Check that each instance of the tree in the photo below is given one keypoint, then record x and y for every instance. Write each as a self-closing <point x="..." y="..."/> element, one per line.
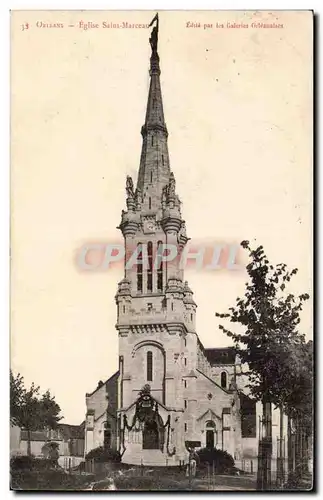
<point x="16" y="396"/>
<point x="30" y="410"/>
<point x="268" y="340"/>
<point x="270" y="319"/>
<point x="299" y="405"/>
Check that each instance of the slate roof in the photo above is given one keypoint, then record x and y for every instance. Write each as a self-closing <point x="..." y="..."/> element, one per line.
<point x="220" y="355"/>
<point x="66" y="432"/>
<point x="35" y="435"/>
<point x="71" y="431"/>
<point x="101" y="384"/>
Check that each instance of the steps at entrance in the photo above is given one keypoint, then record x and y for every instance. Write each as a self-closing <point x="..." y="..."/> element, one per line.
<point x="151" y="458"/>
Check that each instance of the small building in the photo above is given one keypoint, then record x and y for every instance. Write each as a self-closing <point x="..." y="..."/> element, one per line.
<point x="70" y="440"/>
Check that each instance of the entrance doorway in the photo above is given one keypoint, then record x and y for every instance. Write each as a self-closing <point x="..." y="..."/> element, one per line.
<point x="150" y="436"/>
<point x="210" y="438"/>
<point x="210" y="434"/>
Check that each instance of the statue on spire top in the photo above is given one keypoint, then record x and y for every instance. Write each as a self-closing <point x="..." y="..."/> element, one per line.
<point x="153" y="40"/>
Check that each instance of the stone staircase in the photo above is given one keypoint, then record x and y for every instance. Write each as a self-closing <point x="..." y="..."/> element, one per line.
<point x="151" y="458"/>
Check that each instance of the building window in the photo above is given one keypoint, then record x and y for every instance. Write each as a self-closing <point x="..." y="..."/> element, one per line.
<point x="152" y="140"/>
<point x="151" y="177"/>
<point x="224" y="380"/>
<point x="163" y="159"/>
<point x="185" y="342"/>
<point x="185" y="361"/>
<point x="160" y="266"/>
<point x="123" y="309"/>
<point x="139" y="267"/>
<point x="107" y="436"/>
<point x="172" y="306"/>
<point x="149" y="203"/>
<point x="185" y="427"/>
<point x="150" y="267"/>
<point x="149" y="366"/>
<point x="191" y="317"/>
<point x="121" y="382"/>
<point x="185" y="383"/>
<point x="149" y="306"/>
<point x="185" y="403"/>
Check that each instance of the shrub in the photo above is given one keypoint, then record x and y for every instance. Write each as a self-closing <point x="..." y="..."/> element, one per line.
<point x="29" y="463"/>
<point x="22" y="462"/>
<point x="101" y="454"/>
<point x="223" y="461"/>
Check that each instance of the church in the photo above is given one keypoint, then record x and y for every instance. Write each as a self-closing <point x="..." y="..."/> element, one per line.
<point x="170" y="392"/>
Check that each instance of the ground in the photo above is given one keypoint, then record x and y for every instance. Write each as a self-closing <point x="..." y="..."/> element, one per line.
<point x="135" y="478"/>
<point x="132" y="478"/>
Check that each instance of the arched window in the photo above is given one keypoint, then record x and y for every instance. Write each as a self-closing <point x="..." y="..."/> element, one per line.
<point x="149" y="203"/>
<point x="139" y="267"/>
<point x="149" y="366"/>
<point x="150" y="267"/>
<point x="224" y="380"/>
<point x="160" y="266"/>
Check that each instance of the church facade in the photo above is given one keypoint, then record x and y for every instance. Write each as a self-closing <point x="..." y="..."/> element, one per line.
<point x="170" y="392"/>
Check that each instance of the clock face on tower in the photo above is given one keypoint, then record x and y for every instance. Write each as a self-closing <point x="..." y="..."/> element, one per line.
<point x="149" y="226"/>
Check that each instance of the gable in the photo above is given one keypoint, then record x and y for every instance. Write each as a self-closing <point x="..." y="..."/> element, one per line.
<point x="209" y="415"/>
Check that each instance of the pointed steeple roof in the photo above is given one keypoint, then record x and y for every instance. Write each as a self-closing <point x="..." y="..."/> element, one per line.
<point x="154" y="167"/>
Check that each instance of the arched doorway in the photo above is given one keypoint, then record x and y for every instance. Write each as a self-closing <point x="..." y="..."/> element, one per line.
<point x="209" y="438"/>
<point x="210" y="434"/>
<point x="150" y="436"/>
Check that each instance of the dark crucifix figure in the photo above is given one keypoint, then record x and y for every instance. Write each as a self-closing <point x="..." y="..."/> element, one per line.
<point x="153" y="40"/>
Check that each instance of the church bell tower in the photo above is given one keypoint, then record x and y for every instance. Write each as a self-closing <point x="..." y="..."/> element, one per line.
<point x="155" y="308"/>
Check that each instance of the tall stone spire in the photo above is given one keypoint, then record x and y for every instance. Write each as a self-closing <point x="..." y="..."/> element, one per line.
<point x="154" y="198"/>
<point x="154" y="171"/>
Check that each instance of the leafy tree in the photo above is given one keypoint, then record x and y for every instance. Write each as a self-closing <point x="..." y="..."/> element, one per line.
<point x="16" y="396"/>
<point x="269" y="340"/>
<point x="270" y="318"/>
<point x="299" y="404"/>
<point x="30" y="410"/>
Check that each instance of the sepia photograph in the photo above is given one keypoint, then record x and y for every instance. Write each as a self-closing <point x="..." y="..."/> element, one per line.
<point x="161" y="323"/>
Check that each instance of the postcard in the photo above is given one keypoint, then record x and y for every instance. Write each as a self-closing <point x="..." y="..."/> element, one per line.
<point x="161" y="250"/>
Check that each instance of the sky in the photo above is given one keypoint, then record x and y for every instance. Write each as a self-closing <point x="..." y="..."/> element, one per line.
<point x="238" y="107"/>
